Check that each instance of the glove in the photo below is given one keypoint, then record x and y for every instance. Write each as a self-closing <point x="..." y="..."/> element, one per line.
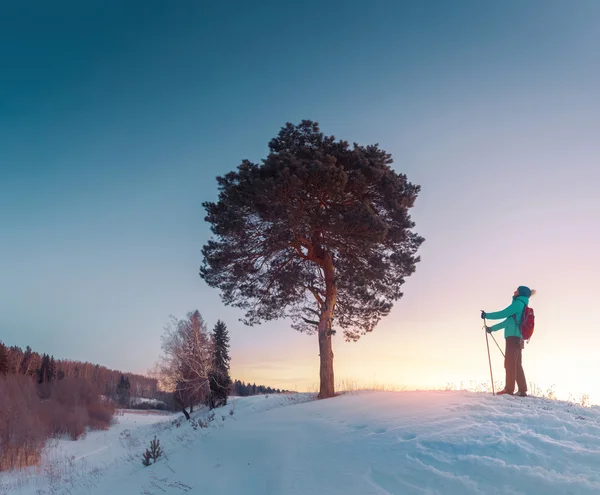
<point x="483" y="315"/>
<point x="488" y="329"/>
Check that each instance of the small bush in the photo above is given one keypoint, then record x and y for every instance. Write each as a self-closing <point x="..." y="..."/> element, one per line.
<point x="76" y="420"/>
<point x="153" y="453"/>
<point x="101" y="416"/>
<point x="74" y="405"/>
<point x="30" y="414"/>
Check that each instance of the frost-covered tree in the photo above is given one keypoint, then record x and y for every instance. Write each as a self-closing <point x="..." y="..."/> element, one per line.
<point x="187" y="360"/>
<point x="319" y="232"/>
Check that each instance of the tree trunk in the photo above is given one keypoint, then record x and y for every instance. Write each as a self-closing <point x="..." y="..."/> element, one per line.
<point x="327" y="387"/>
<point x="187" y="415"/>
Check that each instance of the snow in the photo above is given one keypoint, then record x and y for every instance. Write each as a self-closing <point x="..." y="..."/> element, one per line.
<point x="361" y="443"/>
<point x="143" y="400"/>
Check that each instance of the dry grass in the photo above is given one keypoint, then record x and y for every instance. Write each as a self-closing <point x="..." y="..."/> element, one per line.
<point x="22" y="432"/>
<point x="352" y="386"/>
<point x="30" y="415"/>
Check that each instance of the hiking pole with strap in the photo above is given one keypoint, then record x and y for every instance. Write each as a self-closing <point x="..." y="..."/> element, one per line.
<point x="487" y="343"/>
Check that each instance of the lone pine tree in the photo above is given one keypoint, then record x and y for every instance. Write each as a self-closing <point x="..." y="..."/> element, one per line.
<point x="220" y="380"/>
<point x="319" y="232"/>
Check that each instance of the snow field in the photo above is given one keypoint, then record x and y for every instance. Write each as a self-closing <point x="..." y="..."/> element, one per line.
<point x="364" y="443"/>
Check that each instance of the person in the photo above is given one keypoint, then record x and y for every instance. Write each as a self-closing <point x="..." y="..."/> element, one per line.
<point x="512" y="316"/>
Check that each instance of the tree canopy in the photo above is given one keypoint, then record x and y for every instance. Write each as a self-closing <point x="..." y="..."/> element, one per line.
<point x="319" y="232"/>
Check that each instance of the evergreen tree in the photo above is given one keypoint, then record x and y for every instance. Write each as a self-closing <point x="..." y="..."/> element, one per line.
<point x="51" y="370"/>
<point x="43" y="371"/>
<point x="219" y="377"/>
<point x="3" y="359"/>
<point x="318" y="231"/>
<point x="124" y="391"/>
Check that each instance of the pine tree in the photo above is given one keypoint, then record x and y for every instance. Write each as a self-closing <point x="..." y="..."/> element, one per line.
<point x="319" y="231"/>
<point x="51" y="370"/>
<point x="3" y="359"/>
<point x="124" y="391"/>
<point x="220" y="379"/>
<point x="43" y="371"/>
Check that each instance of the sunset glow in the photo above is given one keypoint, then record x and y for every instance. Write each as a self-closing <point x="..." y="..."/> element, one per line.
<point x="116" y="127"/>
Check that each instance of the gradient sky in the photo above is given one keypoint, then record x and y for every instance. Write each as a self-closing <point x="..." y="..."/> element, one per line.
<point x="116" y="117"/>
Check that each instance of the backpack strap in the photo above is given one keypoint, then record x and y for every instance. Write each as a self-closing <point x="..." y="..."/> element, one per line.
<point x="522" y="314"/>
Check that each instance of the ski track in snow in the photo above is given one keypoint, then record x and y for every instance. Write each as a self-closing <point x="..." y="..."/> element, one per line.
<point x="364" y="443"/>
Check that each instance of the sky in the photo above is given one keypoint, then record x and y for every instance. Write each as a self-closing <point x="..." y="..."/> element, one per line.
<point x="116" y="119"/>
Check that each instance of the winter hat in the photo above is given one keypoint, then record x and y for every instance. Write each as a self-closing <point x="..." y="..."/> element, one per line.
<point x="525" y="291"/>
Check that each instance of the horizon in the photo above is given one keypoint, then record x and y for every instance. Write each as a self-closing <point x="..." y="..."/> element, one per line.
<point x="116" y="122"/>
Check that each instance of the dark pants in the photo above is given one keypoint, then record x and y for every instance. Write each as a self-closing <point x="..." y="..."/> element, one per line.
<point x="513" y="366"/>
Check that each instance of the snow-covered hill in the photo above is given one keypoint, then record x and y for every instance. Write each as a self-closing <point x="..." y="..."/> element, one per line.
<point x="364" y="443"/>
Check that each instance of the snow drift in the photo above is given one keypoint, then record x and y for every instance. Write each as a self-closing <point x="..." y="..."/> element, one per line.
<point x="364" y="443"/>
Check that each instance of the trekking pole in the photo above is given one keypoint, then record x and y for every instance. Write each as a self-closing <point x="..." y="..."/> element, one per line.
<point x="499" y="348"/>
<point x="487" y="343"/>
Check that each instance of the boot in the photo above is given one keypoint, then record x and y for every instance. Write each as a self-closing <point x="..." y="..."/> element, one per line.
<point x="504" y="392"/>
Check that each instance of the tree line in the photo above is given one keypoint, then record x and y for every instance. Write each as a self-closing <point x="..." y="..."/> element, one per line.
<point x="43" y="368"/>
<point x="242" y="389"/>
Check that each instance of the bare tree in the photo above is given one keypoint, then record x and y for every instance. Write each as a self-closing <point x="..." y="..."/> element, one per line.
<point x="187" y="360"/>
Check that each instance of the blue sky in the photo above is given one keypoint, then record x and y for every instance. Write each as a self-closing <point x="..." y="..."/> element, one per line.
<point x="115" y="119"/>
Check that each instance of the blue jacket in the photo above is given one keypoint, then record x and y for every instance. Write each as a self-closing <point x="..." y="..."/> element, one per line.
<point x="511" y="329"/>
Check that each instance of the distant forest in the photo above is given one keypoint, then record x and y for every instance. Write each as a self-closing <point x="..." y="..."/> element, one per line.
<point x="243" y="390"/>
<point x="43" y="368"/>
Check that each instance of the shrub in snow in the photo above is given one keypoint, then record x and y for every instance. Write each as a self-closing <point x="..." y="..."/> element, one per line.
<point x="74" y="405"/>
<point x="153" y="453"/>
<point x="30" y="414"/>
<point x="22" y="432"/>
<point x="101" y="416"/>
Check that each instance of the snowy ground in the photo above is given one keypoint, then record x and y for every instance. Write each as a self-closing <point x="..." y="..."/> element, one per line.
<point x="365" y="443"/>
<point x="142" y="400"/>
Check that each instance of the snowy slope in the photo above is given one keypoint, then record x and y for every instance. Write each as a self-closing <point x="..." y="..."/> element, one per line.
<point x="366" y="443"/>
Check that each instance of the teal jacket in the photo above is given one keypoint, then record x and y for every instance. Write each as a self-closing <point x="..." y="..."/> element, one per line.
<point x="511" y="329"/>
